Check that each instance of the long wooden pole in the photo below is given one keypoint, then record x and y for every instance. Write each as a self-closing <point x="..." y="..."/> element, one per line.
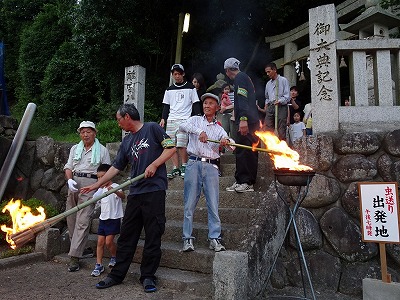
<point x="24" y="236"/>
<point x="250" y="147"/>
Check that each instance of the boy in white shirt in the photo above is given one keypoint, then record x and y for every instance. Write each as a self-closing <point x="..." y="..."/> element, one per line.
<point x="110" y="220"/>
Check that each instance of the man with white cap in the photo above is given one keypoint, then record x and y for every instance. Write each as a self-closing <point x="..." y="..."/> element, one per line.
<point x="80" y="171"/>
<point x="180" y="102"/>
<point x="202" y="171"/>
<point x="246" y="117"/>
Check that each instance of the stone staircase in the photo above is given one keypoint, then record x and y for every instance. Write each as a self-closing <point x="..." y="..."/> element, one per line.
<point x="236" y="212"/>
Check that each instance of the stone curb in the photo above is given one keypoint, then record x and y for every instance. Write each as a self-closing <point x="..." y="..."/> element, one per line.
<point x="19" y="260"/>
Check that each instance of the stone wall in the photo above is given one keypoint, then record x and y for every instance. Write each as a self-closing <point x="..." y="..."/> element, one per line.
<point x="329" y="217"/>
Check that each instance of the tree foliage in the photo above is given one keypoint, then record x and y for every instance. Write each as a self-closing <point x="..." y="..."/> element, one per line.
<point x="69" y="56"/>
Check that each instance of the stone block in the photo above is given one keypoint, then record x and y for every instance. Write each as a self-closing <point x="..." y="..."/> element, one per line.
<point x="48" y="242"/>
<point x="230" y="273"/>
<point x="374" y="289"/>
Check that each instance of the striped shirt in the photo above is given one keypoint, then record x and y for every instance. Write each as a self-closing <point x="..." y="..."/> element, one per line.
<point x="194" y="126"/>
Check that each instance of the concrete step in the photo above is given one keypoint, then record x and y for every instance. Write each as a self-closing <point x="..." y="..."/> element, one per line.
<point x="199" y="284"/>
<point x="200" y="260"/>
<point x="232" y="234"/>
<point x="227" y="215"/>
<point x="226" y="199"/>
<point x="177" y="182"/>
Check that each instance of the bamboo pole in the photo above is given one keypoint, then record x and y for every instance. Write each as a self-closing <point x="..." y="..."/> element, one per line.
<point x="276" y="120"/>
<point x="24" y="236"/>
<point x="250" y="147"/>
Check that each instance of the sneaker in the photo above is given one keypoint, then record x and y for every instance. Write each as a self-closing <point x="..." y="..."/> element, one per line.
<point x="188" y="245"/>
<point x="98" y="269"/>
<point x="232" y="187"/>
<point x="87" y="253"/>
<point x="216" y="245"/>
<point x="182" y="169"/>
<point x="244" y="187"/>
<point x="73" y="264"/>
<point x="175" y="172"/>
<point x="112" y="262"/>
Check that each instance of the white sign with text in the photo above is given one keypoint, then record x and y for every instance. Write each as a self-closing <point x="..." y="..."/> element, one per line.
<point x="379" y="211"/>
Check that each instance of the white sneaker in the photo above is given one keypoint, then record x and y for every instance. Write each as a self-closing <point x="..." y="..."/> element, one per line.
<point x="216" y="245"/>
<point x="188" y="245"/>
<point x="244" y="187"/>
<point x="232" y="187"/>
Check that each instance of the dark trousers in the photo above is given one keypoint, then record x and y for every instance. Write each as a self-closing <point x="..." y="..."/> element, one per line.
<point x="282" y="120"/>
<point x="247" y="160"/>
<point x="142" y="211"/>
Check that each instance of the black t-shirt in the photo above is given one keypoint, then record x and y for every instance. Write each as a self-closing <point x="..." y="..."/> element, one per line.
<point x="245" y="99"/>
<point x="140" y="149"/>
<point x="293" y="111"/>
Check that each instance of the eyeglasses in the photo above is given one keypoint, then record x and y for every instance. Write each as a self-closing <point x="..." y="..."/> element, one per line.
<point x="119" y="119"/>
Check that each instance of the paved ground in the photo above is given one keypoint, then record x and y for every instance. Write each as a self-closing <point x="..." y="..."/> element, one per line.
<point x="51" y="280"/>
<point x="29" y="277"/>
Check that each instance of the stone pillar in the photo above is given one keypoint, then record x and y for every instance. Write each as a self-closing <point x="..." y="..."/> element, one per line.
<point x="48" y="242"/>
<point x="324" y="68"/>
<point x="288" y="70"/>
<point x="230" y="276"/>
<point x="358" y="78"/>
<point x="383" y="78"/>
<point x="134" y="88"/>
<point x="397" y="77"/>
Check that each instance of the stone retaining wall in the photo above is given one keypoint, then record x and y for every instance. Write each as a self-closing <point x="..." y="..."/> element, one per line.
<point x="329" y="217"/>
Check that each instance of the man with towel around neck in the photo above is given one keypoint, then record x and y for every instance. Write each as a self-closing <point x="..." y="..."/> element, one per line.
<point x="80" y="171"/>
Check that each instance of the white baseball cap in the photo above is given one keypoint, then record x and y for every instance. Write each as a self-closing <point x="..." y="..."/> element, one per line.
<point x="86" y="124"/>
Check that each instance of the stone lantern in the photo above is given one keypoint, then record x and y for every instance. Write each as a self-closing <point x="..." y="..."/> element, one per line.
<point x="374" y="24"/>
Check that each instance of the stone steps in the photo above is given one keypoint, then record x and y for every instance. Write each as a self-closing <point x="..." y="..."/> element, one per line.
<point x="200" y="260"/>
<point x="226" y="199"/>
<point x="193" y="270"/>
<point x="229" y="215"/>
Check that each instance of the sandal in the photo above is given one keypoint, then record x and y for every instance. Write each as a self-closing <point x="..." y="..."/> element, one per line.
<point x="106" y="283"/>
<point x="149" y="285"/>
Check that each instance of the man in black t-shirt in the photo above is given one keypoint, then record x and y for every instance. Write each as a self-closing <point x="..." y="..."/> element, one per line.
<point x="146" y="149"/>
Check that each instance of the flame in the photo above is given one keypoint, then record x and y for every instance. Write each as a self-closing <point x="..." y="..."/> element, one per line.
<point x="22" y="219"/>
<point x="283" y="156"/>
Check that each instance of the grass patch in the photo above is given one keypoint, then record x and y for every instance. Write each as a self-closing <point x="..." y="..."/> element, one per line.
<point x="108" y="131"/>
<point x="10" y="252"/>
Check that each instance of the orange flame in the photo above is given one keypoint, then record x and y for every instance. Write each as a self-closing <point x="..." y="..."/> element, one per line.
<point x="287" y="159"/>
<point x="22" y="219"/>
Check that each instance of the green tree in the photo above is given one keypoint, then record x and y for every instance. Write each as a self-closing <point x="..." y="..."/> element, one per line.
<point x="15" y="15"/>
<point x="67" y="93"/>
<point x="39" y="42"/>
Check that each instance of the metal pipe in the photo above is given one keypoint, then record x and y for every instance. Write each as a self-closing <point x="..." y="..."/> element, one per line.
<point x="16" y="146"/>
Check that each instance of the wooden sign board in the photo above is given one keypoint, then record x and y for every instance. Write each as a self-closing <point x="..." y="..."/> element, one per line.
<point x="379" y="212"/>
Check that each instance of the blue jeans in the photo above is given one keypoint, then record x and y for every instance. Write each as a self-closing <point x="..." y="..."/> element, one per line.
<point x="201" y="175"/>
